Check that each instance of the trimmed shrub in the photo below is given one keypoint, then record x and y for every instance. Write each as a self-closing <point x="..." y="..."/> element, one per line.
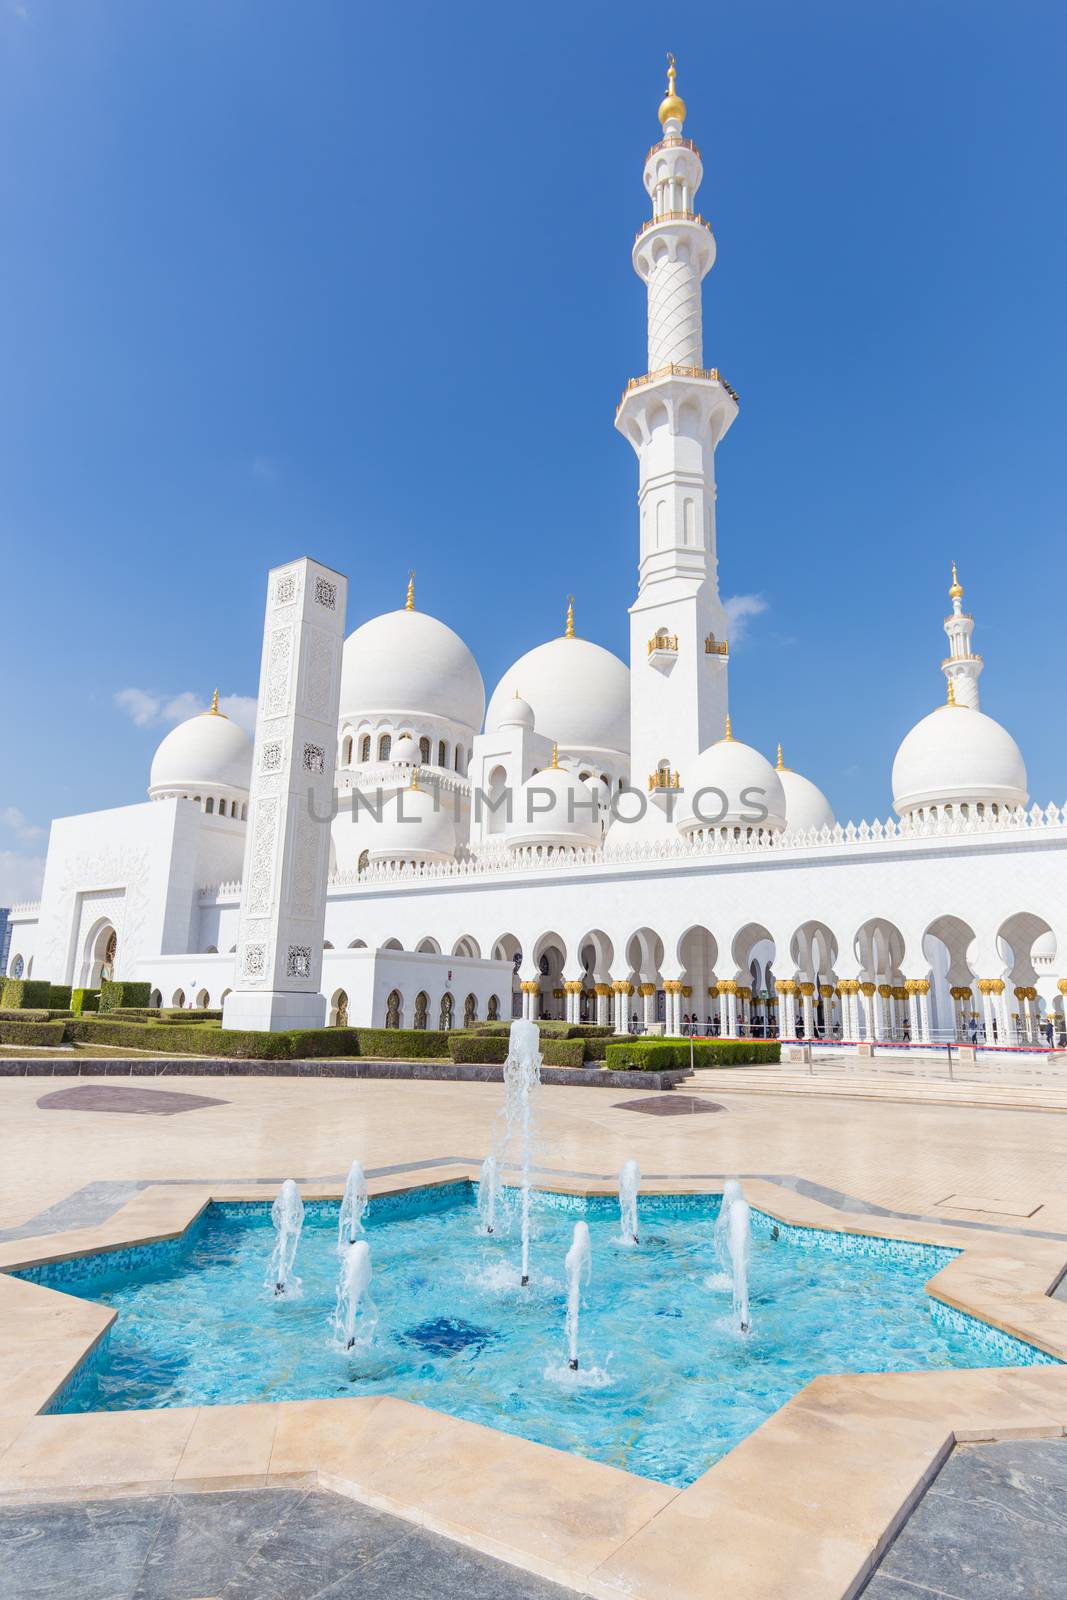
<point x="25" y="994"/>
<point x="551" y="1030"/>
<point x="25" y="1016"/>
<point x="474" y="1047"/>
<point x="665" y="1055"/>
<point x="400" y="1043"/>
<point x="32" y="1032"/>
<point x="82" y="1000"/>
<point x="563" y="1052"/>
<point x="173" y="1014"/>
<point x="597" y="1049"/>
<point x="115" y="996"/>
<point x="59" y="996"/>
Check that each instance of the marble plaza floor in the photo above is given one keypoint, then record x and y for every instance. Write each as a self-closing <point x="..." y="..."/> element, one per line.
<point x="806" y="1506"/>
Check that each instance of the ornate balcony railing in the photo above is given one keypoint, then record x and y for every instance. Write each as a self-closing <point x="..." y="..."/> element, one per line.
<point x="716" y="647"/>
<point x="663" y="641"/>
<point x="672" y="216"/>
<point x="673" y="370"/>
<point x="672" y="142"/>
<point x="663" y="779"/>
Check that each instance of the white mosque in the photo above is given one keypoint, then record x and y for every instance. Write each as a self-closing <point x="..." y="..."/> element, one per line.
<point x="611" y="854"/>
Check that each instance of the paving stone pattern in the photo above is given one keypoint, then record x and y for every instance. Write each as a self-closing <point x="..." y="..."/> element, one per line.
<point x="261" y="1544"/>
<point x="992" y="1526"/>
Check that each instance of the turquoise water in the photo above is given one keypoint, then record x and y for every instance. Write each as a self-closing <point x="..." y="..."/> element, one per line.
<point x="666" y="1385"/>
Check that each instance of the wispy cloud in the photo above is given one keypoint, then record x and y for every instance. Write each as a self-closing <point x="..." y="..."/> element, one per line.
<point x="740" y="610"/>
<point x="16" y="822"/>
<point x="148" y="709"/>
<point x="19" y="10"/>
<point x="20" y="877"/>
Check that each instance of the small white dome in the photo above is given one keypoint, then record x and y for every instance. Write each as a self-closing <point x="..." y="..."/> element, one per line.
<point x="406" y="661"/>
<point x="515" y="713"/>
<point x="554" y="807"/>
<point x="747" y="780"/>
<point x="405" y="749"/>
<point x="413" y="828"/>
<point x="579" y="693"/>
<point x="957" y="756"/>
<point x="207" y="753"/>
<point x="631" y="825"/>
<point x="806" y="806"/>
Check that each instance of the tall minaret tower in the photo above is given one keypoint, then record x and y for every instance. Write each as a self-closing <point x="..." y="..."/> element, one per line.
<point x="674" y="416"/>
<point x="961" y="666"/>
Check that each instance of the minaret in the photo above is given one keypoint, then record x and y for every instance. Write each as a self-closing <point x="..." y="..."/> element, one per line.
<point x="674" y="416"/>
<point x="961" y="666"/>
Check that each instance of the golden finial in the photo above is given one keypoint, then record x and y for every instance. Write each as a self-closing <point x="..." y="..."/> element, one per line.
<point x="672" y="105"/>
<point x="215" y="704"/>
<point x="568" y="632"/>
<point x="950" y="697"/>
<point x="729" y="734"/>
<point x="415" y="778"/>
<point x="555" y="758"/>
<point x="956" y="592"/>
<point x="409" y="603"/>
<point x="779" y="764"/>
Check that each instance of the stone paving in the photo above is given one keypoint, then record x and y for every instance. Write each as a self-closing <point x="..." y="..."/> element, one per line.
<point x="991" y="1526"/>
<point x="263" y="1544"/>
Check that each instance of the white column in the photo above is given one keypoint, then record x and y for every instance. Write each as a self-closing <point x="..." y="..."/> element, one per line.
<point x="278" y="966"/>
<point x="730" y="1019"/>
<point x="987" y="1009"/>
<point x="647" y="992"/>
<point x="924" y="1013"/>
<point x="603" y="1004"/>
<point x="787" y="1012"/>
<point x="1003" y="1014"/>
<point x="807" y="997"/>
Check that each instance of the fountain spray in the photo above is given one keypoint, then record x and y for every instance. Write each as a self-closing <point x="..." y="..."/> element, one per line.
<point x="489" y="1193"/>
<point x="353" y="1292"/>
<point x="579" y="1267"/>
<point x="287" y="1215"/>
<point x="629" y="1184"/>
<point x="522" y="1078"/>
<point x="731" y="1191"/>
<point x="353" y="1205"/>
<point x="740" y="1237"/>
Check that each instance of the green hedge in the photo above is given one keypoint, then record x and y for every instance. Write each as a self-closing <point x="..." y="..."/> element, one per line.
<point x="551" y="1030"/>
<point x="665" y="1055"/>
<point x="25" y="994"/>
<point x="402" y="1043"/>
<point x="32" y="1032"/>
<point x="200" y="1041"/>
<point x="82" y="1000"/>
<point x="477" y="1047"/>
<point x="597" y="1049"/>
<point x="59" y="996"/>
<point x="563" y="1052"/>
<point x="25" y="1016"/>
<point x="115" y="996"/>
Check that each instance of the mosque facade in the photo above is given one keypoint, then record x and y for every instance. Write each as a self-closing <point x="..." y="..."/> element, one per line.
<point x="614" y="855"/>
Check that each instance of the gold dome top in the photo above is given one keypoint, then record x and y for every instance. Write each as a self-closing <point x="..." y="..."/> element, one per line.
<point x="672" y="104"/>
<point x="956" y="592"/>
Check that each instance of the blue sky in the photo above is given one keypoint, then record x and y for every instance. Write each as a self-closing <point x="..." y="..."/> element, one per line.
<point x="354" y="281"/>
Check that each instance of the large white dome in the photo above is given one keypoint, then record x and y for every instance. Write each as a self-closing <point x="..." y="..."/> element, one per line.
<point x="957" y="756"/>
<point x="209" y="752"/>
<point x="554" y="807"/>
<point x="414" y="827"/>
<point x="580" y="694"/>
<point x="806" y="806"/>
<point x="747" y="780"/>
<point x="408" y="662"/>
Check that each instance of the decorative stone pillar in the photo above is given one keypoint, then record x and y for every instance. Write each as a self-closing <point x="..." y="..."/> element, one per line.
<point x="603" y="1004"/>
<point x="807" y="1004"/>
<point x="985" y="989"/>
<point x="728" y="990"/>
<point x="786" y="990"/>
<point x="828" y="993"/>
<point x="278" y="965"/>
<point x="961" y="994"/>
<point x="1000" y="1004"/>
<point x="919" y="990"/>
<point x="884" y="1013"/>
<point x="647" y="991"/>
<point x="621" y="989"/>
<point x="869" y="992"/>
<point x="572" y="989"/>
<point x="713" y="995"/>
<point x="531" y="998"/>
<point x="672" y="989"/>
<point x="1027" y="998"/>
<point x="848" y="989"/>
<point x="900" y="995"/>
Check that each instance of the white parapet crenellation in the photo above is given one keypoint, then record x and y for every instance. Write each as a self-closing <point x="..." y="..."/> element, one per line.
<point x="287" y="851"/>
